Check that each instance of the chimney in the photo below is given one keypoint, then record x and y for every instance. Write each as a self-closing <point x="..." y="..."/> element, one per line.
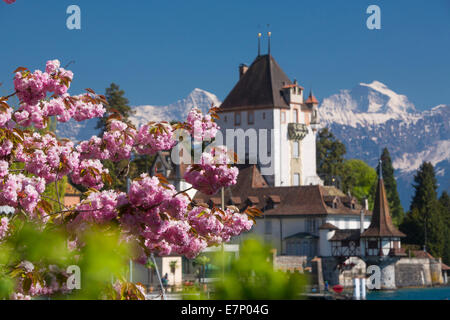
<point x="242" y="70"/>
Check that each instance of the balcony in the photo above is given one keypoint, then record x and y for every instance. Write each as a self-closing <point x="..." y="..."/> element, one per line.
<point x="297" y="131"/>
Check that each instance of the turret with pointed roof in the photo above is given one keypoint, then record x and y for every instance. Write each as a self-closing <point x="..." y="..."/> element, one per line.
<point x="311" y="99"/>
<point x="381" y="224"/>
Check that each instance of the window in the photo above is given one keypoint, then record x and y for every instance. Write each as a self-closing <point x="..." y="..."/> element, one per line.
<point x="251" y="117"/>
<point x="268" y="227"/>
<point x="237" y="118"/>
<point x="295" y="151"/>
<point x="295" y="116"/>
<point x="311" y="225"/>
<point x="296" y="179"/>
<point x="373" y="244"/>
<point x="283" y="117"/>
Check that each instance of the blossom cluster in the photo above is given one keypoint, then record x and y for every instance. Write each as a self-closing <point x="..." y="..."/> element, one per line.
<point x="153" y="213"/>
<point x="33" y="88"/>
<point x="99" y="207"/>
<point x="202" y="127"/>
<point x="154" y="138"/>
<point x="53" y="281"/>
<point x="19" y="190"/>
<point x="212" y="173"/>
<point x="46" y="157"/>
<point x="89" y="174"/>
<point x="116" y="144"/>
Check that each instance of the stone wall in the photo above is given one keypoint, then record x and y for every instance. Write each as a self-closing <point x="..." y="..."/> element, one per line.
<point x="415" y="272"/>
<point x="395" y="272"/>
<point x="290" y="263"/>
<point x="412" y="272"/>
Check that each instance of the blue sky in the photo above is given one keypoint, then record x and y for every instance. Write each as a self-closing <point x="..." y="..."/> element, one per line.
<point x="158" y="51"/>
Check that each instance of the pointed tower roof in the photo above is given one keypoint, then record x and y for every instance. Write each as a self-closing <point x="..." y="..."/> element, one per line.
<point x="311" y="99"/>
<point x="260" y="87"/>
<point x="381" y="224"/>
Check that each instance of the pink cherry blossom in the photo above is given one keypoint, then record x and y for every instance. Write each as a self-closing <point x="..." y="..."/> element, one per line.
<point x="153" y="213"/>
<point x="212" y="173"/>
<point x="151" y="139"/>
<point x="89" y="174"/>
<point x="100" y="207"/>
<point x="202" y="127"/>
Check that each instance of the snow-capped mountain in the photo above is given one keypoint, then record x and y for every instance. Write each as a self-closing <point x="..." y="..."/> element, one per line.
<point x="366" y="104"/>
<point x="178" y="111"/>
<point x="371" y="116"/>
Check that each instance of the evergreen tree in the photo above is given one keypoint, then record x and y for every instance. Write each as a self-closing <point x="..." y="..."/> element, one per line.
<point x="117" y="104"/>
<point x="330" y="157"/>
<point x="444" y="201"/>
<point x="390" y="184"/>
<point x="424" y="223"/>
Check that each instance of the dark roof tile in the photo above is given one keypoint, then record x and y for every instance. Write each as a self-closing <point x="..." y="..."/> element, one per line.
<point x="260" y="87"/>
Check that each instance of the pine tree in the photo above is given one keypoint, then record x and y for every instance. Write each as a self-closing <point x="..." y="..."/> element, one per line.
<point x="444" y="201"/>
<point x="330" y="157"/>
<point x="390" y="184"/>
<point x="117" y="104"/>
<point x="424" y="223"/>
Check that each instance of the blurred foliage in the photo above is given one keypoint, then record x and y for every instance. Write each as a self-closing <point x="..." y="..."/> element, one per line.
<point x="102" y="259"/>
<point x="251" y="276"/>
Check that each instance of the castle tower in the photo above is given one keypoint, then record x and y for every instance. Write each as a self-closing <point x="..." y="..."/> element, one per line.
<point x="265" y="98"/>
<point x="382" y="239"/>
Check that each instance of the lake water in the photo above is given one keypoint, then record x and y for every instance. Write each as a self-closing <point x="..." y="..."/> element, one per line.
<point x="442" y="293"/>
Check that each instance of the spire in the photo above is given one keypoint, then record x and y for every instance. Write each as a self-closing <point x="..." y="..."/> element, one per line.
<point x="311" y="99"/>
<point x="381" y="224"/>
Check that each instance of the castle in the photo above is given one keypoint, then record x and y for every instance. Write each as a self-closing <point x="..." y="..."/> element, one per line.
<point x="304" y="220"/>
<point x="308" y="224"/>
